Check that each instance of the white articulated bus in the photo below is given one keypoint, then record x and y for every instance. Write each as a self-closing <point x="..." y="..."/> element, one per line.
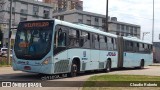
<point x="55" y="47"/>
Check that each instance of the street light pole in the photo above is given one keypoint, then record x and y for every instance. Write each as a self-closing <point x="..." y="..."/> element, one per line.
<point x="144" y="33"/>
<point x="9" y="33"/>
<point x="107" y="16"/>
<point x="153" y="24"/>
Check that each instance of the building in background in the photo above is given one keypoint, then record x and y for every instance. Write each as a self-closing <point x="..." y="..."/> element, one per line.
<point x="54" y="4"/>
<point x="65" y="5"/>
<point x="156" y="52"/>
<point x="22" y="10"/>
<point x="98" y="21"/>
<point x="123" y="29"/>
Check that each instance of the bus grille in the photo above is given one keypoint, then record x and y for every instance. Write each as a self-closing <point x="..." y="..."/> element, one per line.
<point x="83" y="66"/>
<point x="62" y="66"/>
<point x="101" y="65"/>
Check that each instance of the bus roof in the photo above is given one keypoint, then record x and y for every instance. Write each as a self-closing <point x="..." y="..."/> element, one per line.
<point x="135" y="39"/>
<point x="78" y="26"/>
<point x="91" y="29"/>
<point x="85" y="28"/>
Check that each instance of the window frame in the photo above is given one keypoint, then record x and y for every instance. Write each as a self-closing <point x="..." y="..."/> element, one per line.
<point x="93" y="41"/>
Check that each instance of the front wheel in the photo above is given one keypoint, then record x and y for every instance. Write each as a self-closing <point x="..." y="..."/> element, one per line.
<point x="73" y="72"/>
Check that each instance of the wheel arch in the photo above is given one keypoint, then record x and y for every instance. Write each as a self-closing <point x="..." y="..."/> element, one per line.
<point x="76" y="60"/>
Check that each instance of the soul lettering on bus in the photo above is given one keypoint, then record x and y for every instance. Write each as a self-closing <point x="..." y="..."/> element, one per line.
<point x="111" y="54"/>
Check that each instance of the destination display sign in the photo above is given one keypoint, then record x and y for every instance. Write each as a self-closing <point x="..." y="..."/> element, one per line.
<point x="36" y="24"/>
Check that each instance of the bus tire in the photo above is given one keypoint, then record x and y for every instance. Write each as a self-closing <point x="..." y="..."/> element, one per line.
<point x="108" y="66"/>
<point x="74" y="70"/>
<point x="142" y="64"/>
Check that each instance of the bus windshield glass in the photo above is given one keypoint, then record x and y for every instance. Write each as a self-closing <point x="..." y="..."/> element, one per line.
<point x="33" y="39"/>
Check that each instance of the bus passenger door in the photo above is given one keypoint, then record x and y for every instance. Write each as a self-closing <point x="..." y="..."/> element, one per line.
<point x="94" y="61"/>
<point x="60" y="50"/>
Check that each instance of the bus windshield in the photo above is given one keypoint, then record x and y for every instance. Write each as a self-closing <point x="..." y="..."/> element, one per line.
<point x="33" y="40"/>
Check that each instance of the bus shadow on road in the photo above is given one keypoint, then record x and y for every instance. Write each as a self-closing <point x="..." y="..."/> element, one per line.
<point x="45" y="77"/>
<point x="112" y="70"/>
<point x="19" y="77"/>
<point x="129" y="68"/>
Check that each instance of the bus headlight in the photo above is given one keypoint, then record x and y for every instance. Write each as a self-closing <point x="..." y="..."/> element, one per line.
<point x="46" y="61"/>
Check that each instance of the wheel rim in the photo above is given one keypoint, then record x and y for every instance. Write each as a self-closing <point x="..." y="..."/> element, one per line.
<point x="74" y="69"/>
<point x="108" y="66"/>
<point x="142" y="64"/>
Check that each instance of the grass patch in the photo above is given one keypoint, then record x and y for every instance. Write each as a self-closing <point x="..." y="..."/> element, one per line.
<point x="124" y="78"/>
<point x="3" y="62"/>
<point x="120" y="88"/>
<point x="120" y="82"/>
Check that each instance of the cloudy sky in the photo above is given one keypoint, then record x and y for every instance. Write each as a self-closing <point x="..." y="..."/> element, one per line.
<point x="138" y="12"/>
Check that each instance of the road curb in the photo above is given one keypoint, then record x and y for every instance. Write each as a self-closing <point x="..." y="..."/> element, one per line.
<point x="6" y="66"/>
<point x="155" y="64"/>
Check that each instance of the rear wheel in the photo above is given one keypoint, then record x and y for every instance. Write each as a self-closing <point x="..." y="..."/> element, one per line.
<point x="74" y="70"/>
<point x="108" y="66"/>
<point x="142" y="64"/>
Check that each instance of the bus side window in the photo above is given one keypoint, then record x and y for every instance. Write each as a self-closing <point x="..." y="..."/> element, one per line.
<point x="96" y="41"/>
<point x="74" y="38"/>
<point x="105" y="39"/>
<point x="115" y="44"/>
<point x="137" y="48"/>
<point x="141" y="47"/>
<point x="148" y="48"/>
<point x="112" y="40"/>
<point x="103" y="42"/>
<point x="129" y="46"/>
<point x="126" y="45"/>
<point x="60" y="37"/>
<point x="109" y="43"/>
<point x="84" y="39"/>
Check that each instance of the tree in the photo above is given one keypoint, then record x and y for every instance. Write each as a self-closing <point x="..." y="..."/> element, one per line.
<point x="1" y="37"/>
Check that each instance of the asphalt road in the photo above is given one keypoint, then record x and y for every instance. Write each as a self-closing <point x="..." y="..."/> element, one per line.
<point x="7" y="74"/>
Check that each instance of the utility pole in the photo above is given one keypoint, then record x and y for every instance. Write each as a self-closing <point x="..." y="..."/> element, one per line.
<point x="153" y="24"/>
<point x="107" y="16"/>
<point x="9" y="33"/>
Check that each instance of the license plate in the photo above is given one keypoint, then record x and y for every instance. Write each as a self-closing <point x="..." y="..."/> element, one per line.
<point x="27" y="68"/>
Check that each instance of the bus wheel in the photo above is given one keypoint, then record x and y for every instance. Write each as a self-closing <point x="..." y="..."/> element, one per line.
<point x="142" y="64"/>
<point x="108" y="66"/>
<point x="73" y="72"/>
